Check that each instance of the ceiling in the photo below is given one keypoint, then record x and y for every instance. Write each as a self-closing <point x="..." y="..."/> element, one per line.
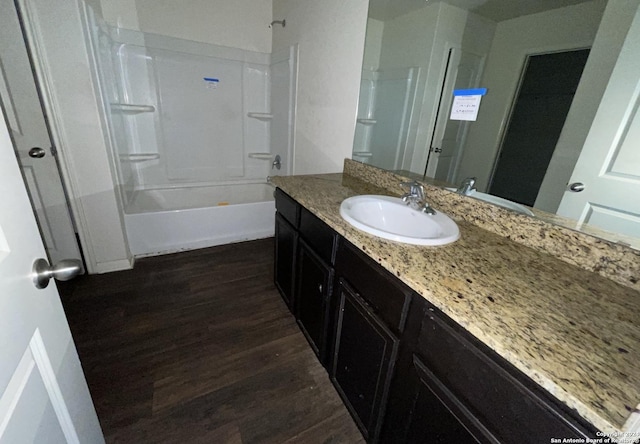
<point x="496" y="10"/>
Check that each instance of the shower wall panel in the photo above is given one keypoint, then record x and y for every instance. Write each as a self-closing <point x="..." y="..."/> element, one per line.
<point x="106" y="70"/>
<point x="201" y="114"/>
<point x="395" y="94"/>
<point x="366" y="116"/>
<point x="199" y="131"/>
<point x="284" y="70"/>
<point x="137" y="87"/>
<point x="256" y="80"/>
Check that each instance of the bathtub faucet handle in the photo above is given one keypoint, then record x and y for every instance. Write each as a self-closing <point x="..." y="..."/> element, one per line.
<point x="277" y="164"/>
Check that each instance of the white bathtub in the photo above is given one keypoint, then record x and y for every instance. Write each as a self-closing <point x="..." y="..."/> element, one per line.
<point x="174" y="219"/>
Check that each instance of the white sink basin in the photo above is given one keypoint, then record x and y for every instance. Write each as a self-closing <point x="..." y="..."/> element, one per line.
<point x="499" y="201"/>
<point x="391" y="218"/>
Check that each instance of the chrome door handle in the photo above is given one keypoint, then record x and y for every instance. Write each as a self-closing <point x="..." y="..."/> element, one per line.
<point x="63" y="271"/>
<point x="37" y="152"/>
<point x="576" y="187"/>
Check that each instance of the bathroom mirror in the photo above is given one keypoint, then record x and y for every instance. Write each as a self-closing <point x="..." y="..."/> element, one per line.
<point x="545" y="66"/>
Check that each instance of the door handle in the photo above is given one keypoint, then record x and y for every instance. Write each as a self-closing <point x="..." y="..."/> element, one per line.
<point x="576" y="187"/>
<point x="37" y="152"/>
<point x="63" y="271"/>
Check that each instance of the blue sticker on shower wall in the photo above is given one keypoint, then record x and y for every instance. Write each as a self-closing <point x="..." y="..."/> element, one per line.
<point x="470" y="92"/>
<point x="211" y="82"/>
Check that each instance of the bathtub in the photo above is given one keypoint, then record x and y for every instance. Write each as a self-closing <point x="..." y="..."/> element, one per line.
<point x="160" y="221"/>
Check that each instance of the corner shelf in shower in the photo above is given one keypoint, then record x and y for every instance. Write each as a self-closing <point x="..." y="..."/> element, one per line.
<point x="129" y="108"/>
<point x="367" y="121"/>
<point x="362" y="154"/>
<point x="261" y="116"/>
<point x="139" y="157"/>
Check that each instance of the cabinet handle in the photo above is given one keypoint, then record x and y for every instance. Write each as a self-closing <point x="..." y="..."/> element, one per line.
<point x="320" y="288"/>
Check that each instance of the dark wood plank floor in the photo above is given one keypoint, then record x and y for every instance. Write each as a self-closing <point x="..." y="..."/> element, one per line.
<point x="198" y="347"/>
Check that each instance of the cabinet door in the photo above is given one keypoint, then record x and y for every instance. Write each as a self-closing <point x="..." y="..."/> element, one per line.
<point x="437" y="416"/>
<point x="312" y="294"/>
<point x="285" y="244"/>
<point x="506" y="401"/>
<point x="364" y="356"/>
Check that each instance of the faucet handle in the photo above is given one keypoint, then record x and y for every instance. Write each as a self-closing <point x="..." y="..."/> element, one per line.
<point x="415" y="189"/>
<point x="467" y="186"/>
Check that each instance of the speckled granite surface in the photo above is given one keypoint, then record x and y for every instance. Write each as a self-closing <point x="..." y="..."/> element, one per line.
<point x="611" y="260"/>
<point x="572" y="331"/>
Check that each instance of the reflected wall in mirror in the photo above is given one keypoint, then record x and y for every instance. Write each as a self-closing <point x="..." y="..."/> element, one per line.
<point x="562" y="82"/>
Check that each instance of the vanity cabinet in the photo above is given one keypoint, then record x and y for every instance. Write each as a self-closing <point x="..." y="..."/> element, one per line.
<point x="364" y="354"/>
<point x="314" y="282"/>
<point x="371" y="309"/>
<point x="304" y="255"/>
<point x="452" y="388"/>
<point x="315" y="278"/>
<point x="406" y="372"/>
<point x="286" y="245"/>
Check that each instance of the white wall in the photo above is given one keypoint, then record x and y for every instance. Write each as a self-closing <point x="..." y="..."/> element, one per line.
<point x="567" y="28"/>
<point x="602" y="58"/>
<point x="331" y="38"/>
<point x="240" y="24"/>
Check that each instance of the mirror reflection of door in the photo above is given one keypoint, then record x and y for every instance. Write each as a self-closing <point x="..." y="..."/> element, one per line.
<point x="28" y="128"/>
<point x="608" y="168"/>
<point x="464" y="70"/>
<point x="548" y="84"/>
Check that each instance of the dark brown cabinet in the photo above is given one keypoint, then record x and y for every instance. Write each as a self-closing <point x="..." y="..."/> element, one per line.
<point x="451" y="388"/>
<point x="315" y="278"/>
<point x="285" y="252"/>
<point x="364" y="354"/>
<point x="437" y="416"/>
<point x="370" y="312"/>
<point x="406" y="372"/>
<point x="495" y="394"/>
<point x="286" y="245"/>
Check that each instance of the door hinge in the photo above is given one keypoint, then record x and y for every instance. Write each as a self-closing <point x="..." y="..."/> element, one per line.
<point x="54" y="151"/>
<point x="436" y="150"/>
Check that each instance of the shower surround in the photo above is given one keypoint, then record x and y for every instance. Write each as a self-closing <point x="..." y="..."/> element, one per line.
<point x="196" y="129"/>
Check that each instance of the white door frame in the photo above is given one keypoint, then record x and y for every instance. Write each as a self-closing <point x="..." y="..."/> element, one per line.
<point x="80" y="136"/>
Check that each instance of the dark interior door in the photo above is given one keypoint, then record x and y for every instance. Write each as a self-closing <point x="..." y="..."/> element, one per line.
<point x="546" y="92"/>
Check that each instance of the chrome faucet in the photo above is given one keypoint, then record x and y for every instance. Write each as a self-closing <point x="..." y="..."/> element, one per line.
<point x="415" y="198"/>
<point x="467" y="186"/>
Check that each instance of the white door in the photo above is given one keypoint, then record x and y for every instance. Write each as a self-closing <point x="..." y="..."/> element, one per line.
<point x="28" y="129"/>
<point x="463" y="72"/>
<point x="609" y="165"/>
<point x="43" y="394"/>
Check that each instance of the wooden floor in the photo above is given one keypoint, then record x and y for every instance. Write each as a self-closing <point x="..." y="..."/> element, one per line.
<point x="198" y="347"/>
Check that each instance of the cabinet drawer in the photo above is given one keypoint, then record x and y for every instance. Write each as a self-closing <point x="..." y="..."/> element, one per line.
<point x="288" y="208"/>
<point x="388" y="297"/>
<point x="318" y="235"/>
<point x="514" y="410"/>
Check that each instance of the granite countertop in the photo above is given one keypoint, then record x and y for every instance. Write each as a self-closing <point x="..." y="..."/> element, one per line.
<point x="574" y="332"/>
